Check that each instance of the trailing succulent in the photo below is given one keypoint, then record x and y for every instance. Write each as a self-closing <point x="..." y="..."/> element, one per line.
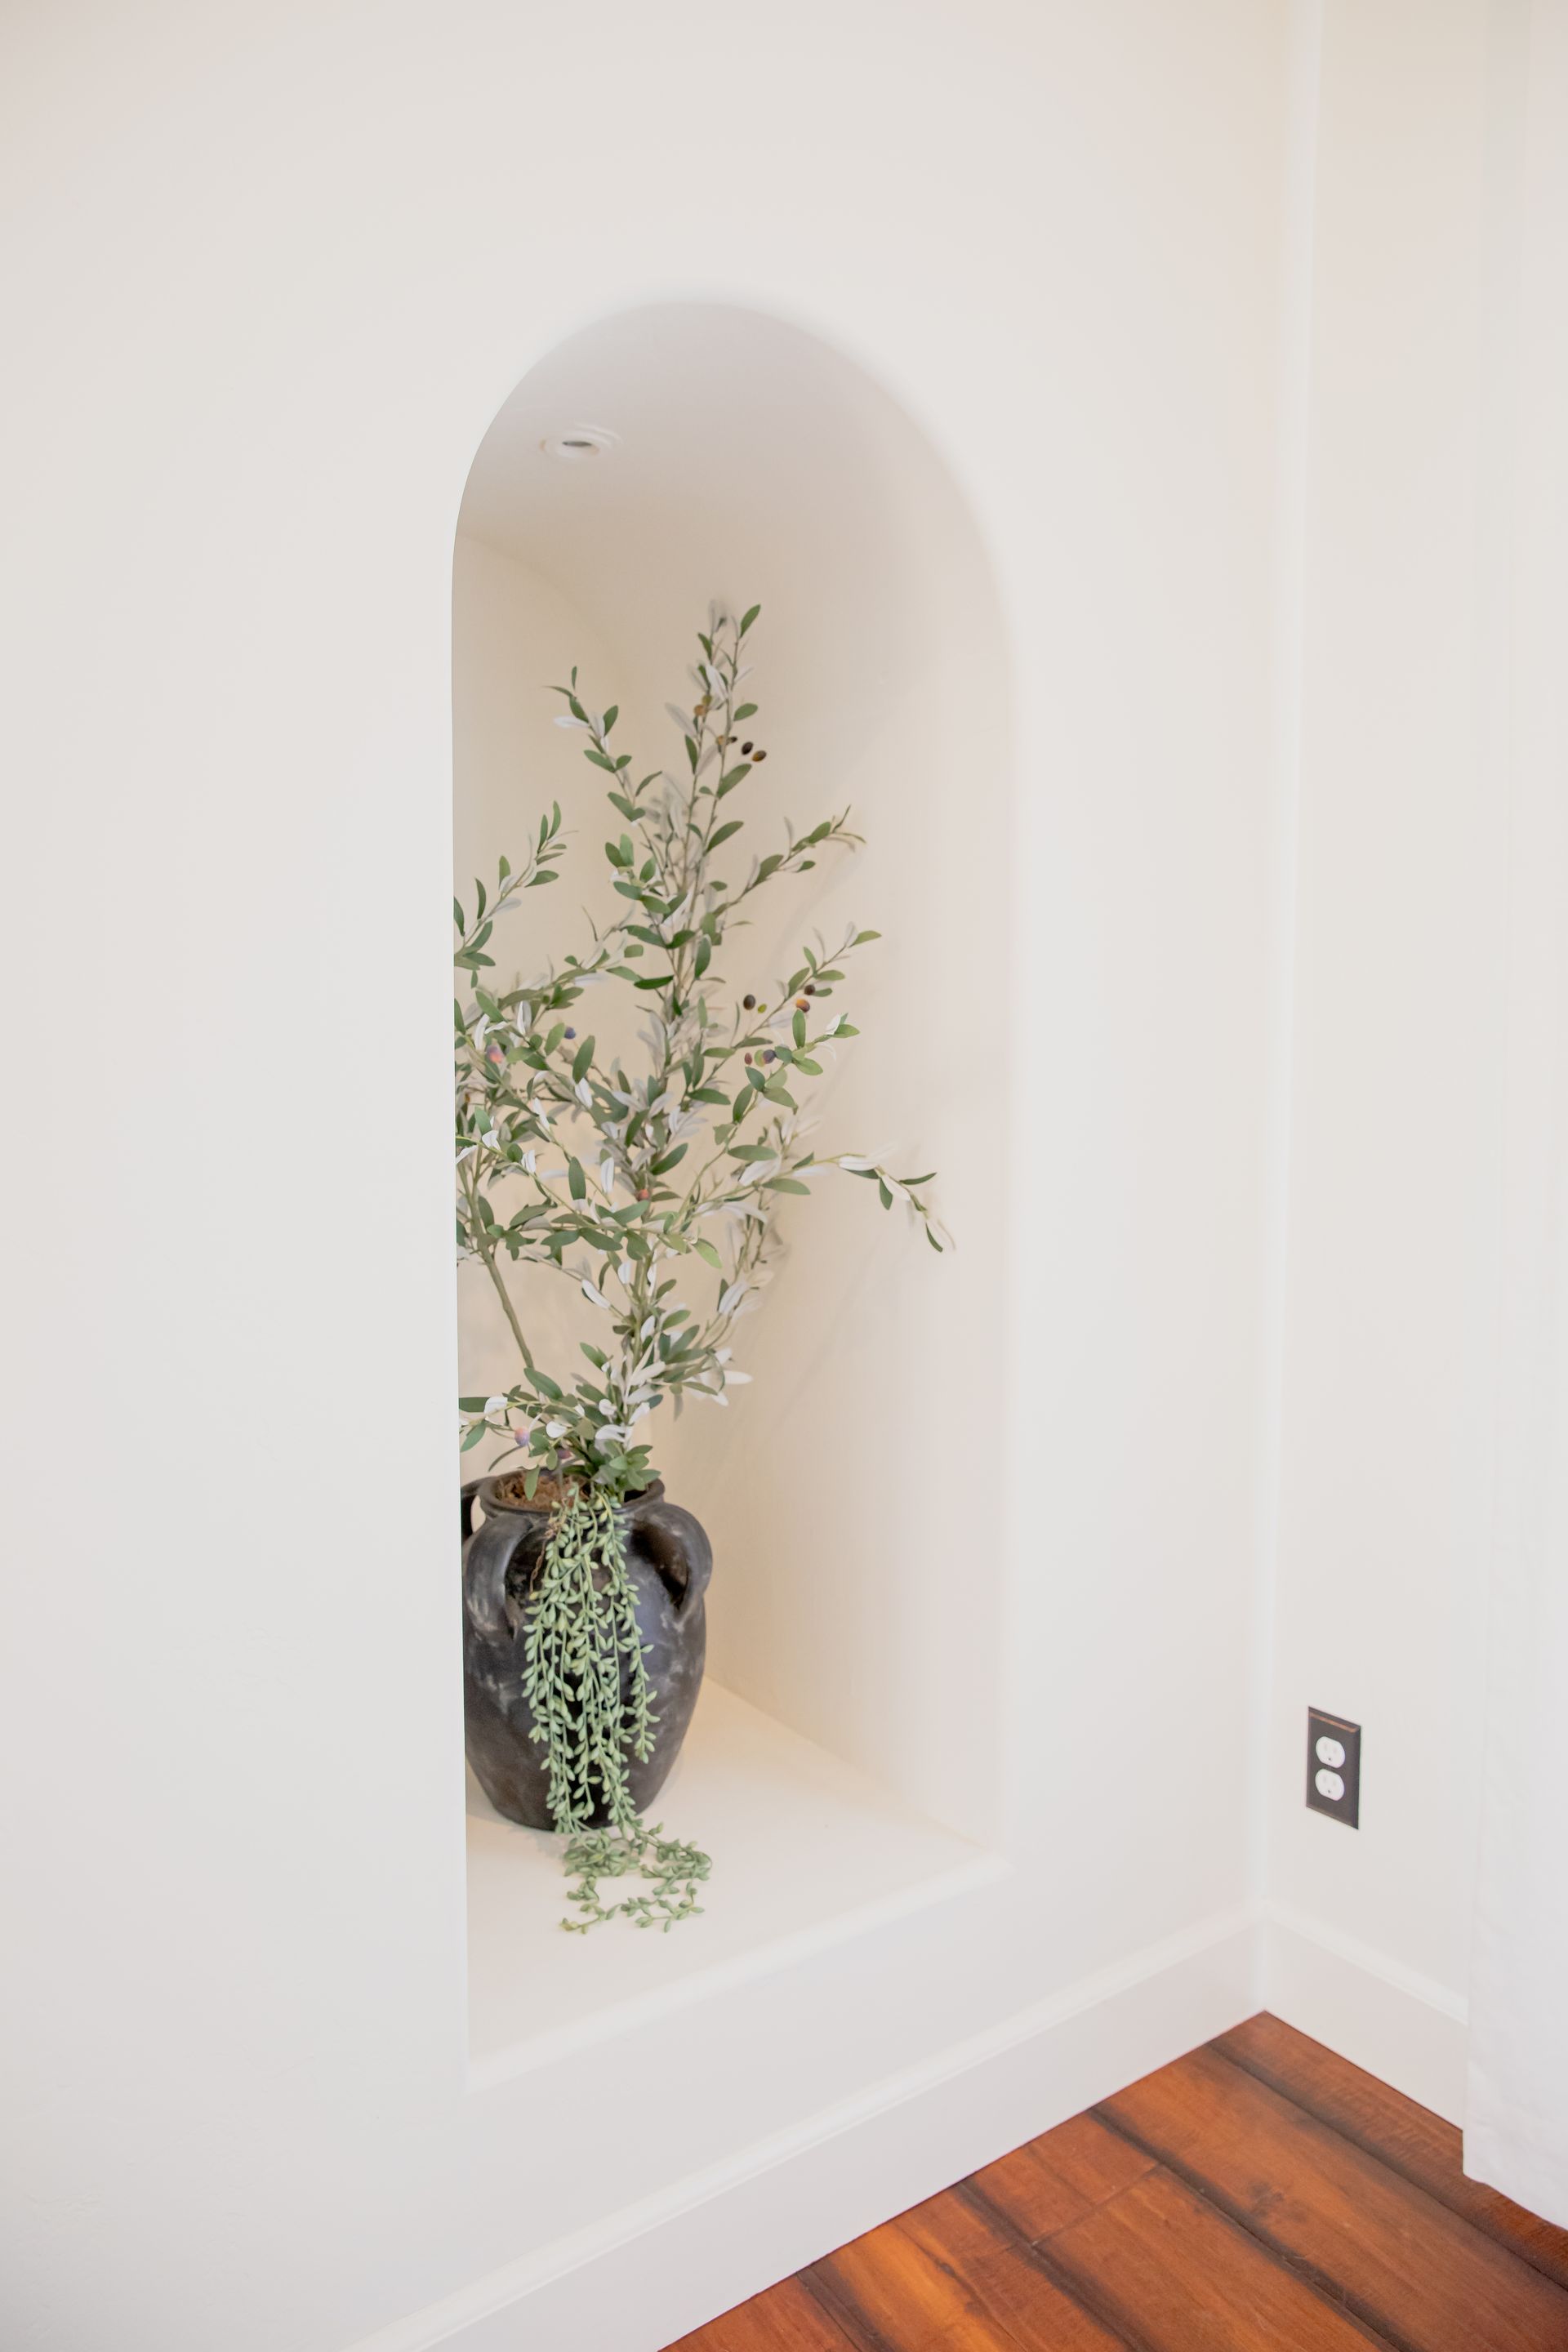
<point x="639" y="1187"/>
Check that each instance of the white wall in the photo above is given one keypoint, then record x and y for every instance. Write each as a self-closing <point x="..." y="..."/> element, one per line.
<point x="1516" y="2109"/>
<point x="1389" y="1359"/>
<point x="274" y="271"/>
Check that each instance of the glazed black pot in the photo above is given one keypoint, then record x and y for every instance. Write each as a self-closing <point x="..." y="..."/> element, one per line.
<point x="668" y="1560"/>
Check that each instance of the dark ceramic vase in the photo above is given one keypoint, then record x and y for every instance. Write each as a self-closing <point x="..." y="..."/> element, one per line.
<point x="668" y="1560"/>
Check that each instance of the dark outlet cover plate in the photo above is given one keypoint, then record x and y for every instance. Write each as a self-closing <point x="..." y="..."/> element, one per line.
<point x="1346" y="1807"/>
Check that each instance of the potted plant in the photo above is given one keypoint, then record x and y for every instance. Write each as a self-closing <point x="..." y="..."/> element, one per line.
<point x="651" y="1182"/>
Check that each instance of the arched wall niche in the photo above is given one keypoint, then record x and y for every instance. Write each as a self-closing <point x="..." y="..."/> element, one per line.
<point x="855" y="1491"/>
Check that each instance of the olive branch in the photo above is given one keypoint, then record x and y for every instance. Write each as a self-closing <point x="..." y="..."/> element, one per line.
<point x="570" y="1165"/>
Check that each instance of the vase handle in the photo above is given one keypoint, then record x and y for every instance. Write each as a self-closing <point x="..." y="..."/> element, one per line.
<point x="487" y="1559"/>
<point x="679" y="1547"/>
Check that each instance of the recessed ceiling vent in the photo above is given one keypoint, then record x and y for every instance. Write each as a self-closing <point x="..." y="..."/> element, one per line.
<point x="576" y="444"/>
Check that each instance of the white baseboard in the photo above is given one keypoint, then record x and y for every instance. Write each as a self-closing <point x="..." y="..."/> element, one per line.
<point x="645" y="2276"/>
<point x="1399" y="2025"/>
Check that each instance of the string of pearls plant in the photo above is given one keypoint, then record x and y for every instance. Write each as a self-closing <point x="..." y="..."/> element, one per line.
<point x="584" y="1680"/>
<point x="654" y="1190"/>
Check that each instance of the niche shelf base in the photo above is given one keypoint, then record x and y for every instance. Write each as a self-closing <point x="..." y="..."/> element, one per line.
<point x="806" y="1853"/>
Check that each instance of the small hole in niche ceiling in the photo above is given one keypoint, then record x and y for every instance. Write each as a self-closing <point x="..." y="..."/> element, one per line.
<point x="577" y="443"/>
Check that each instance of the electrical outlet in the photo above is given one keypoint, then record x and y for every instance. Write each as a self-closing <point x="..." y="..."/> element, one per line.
<point x="1334" y="1766"/>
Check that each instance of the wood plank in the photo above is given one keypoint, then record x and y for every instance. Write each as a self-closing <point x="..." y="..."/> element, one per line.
<point x="1410" y="2269"/>
<point x="890" y="2292"/>
<point x="1409" y="2138"/>
<point x="1165" y="2269"/>
<point x="1058" y="2179"/>
<point x="786" y="2318"/>
<point x="1005" y="2276"/>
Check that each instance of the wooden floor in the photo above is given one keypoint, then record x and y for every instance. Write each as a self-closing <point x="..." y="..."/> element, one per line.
<point x="1259" y="2193"/>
